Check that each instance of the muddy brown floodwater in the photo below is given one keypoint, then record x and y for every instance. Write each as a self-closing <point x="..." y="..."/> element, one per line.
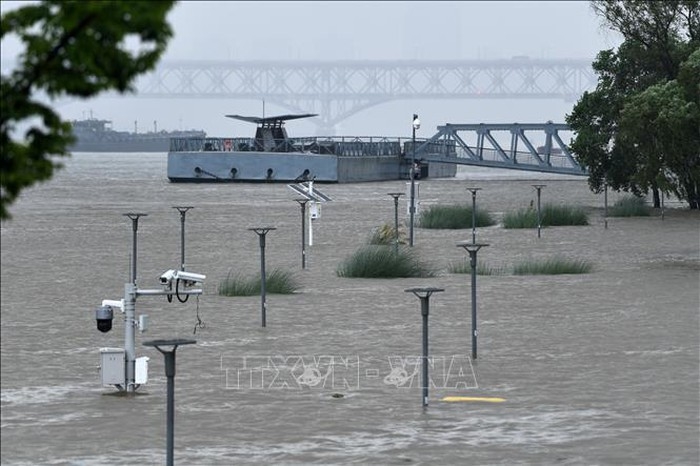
<point x="597" y="368"/>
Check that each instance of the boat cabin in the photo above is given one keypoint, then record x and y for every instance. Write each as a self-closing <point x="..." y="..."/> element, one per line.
<point x="271" y="134"/>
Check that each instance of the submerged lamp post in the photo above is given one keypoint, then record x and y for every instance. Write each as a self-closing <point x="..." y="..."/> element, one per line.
<point x="396" y="197"/>
<point x="473" y="191"/>
<point x="424" y="295"/>
<point x="261" y="232"/>
<point x="412" y="207"/>
<point x="472" y="249"/>
<point x="539" y="187"/>
<point x="302" y="203"/>
<point x="170" y="374"/>
<point x="183" y="211"/>
<point x="662" y="205"/>
<point x="611" y="146"/>
<point x="605" y="211"/>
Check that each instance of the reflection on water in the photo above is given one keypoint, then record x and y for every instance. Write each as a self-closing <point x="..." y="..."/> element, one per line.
<point x="595" y="369"/>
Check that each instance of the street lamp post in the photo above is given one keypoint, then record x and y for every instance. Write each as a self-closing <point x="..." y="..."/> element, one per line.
<point x="539" y="187"/>
<point x="662" y="205"/>
<point x="605" y="213"/>
<point x="424" y="295"/>
<point x="611" y="146"/>
<point x="261" y="232"/>
<point x="396" y="197"/>
<point x="170" y="374"/>
<point x="412" y="208"/>
<point x="472" y="249"/>
<point x="473" y="191"/>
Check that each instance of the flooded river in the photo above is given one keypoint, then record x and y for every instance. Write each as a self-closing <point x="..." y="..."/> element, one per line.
<point x="598" y="368"/>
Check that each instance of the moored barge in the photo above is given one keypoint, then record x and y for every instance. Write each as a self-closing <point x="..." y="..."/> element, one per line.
<point x="272" y="156"/>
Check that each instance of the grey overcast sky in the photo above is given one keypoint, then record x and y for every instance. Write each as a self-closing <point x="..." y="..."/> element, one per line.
<point x="354" y="30"/>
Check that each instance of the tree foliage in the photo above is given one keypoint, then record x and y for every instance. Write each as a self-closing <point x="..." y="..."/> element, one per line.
<point x="639" y="130"/>
<point x="71" y="48"/>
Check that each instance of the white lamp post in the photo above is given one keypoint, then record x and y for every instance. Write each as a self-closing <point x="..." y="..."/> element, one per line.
<point x="412" y="209"/>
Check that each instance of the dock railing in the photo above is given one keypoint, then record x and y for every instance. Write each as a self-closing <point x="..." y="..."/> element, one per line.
<point x="342" y="146"/>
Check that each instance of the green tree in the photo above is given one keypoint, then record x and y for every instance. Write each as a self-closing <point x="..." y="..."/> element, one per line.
<point x="664" y="128"/>
<point x="638" y="130"/>
<point x="71" y="48"/>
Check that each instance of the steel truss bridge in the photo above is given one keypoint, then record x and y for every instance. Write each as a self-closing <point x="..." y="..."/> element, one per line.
<point x="337" y="90"/>
<point x="482" y="145"/>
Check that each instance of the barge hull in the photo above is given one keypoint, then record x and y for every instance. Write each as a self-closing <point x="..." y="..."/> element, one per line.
<point x="291" y="167"/>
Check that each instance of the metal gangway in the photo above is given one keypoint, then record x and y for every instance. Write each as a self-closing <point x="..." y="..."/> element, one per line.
<point x="482" y="144"/>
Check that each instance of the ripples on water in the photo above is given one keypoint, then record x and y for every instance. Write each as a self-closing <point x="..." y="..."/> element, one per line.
<point x="595" y="369"/>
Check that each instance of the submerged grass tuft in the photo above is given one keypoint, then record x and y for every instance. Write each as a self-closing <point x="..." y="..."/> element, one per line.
<point x="386" y="235"/>
<point x="554" y="266"/>
<point x="374" y="261"/>
<point x="453" y="217"/>
<point x="482" y="268"/>
<point x="552" y="215"/>
<point x="630" y="206"/>
<point x="276" y="282"/>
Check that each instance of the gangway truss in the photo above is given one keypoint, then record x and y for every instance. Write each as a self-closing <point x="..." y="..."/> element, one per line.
<point x="451" y="145"/>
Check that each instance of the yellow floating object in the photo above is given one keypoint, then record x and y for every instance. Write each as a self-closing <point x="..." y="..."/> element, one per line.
<point x="485" y="399"/>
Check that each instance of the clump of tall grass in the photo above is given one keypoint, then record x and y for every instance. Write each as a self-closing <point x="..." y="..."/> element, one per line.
<point x="453" y="217"/>
<point x="276" y="282"/>
<point x="522" y="218"/>
<point x="482" y="268"/>
<point x="386" y="235"/>
<point x="630" y="206"/>
<point x="553" y="266"/>
<point x="373" y="261"/>
<point x="551" y="215"/>
<point x="564" y="215"/>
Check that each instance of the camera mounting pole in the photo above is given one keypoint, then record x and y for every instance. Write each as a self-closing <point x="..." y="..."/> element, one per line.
<point x="128" y="307"/>
<point x="130" y="295"/>
<point x="183" y="210"/>
<point x="130" y="336"/>
<point x="135" y="226"/>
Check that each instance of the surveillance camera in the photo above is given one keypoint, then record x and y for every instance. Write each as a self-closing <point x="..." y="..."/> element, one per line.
<point x="189" y="278"/>
<point x="103" y="316"/>
<point x="167" y="277"/>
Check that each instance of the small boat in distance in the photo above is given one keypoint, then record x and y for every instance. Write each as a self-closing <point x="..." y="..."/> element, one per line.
<point x="273" y="156"/>
<point x="95" y="135"/>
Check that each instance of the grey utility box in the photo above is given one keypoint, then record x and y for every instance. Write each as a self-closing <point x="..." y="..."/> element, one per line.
<point x="112" y="364"/>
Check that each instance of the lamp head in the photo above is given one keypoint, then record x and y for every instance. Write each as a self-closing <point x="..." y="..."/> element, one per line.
<point x="416" y="122"/>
